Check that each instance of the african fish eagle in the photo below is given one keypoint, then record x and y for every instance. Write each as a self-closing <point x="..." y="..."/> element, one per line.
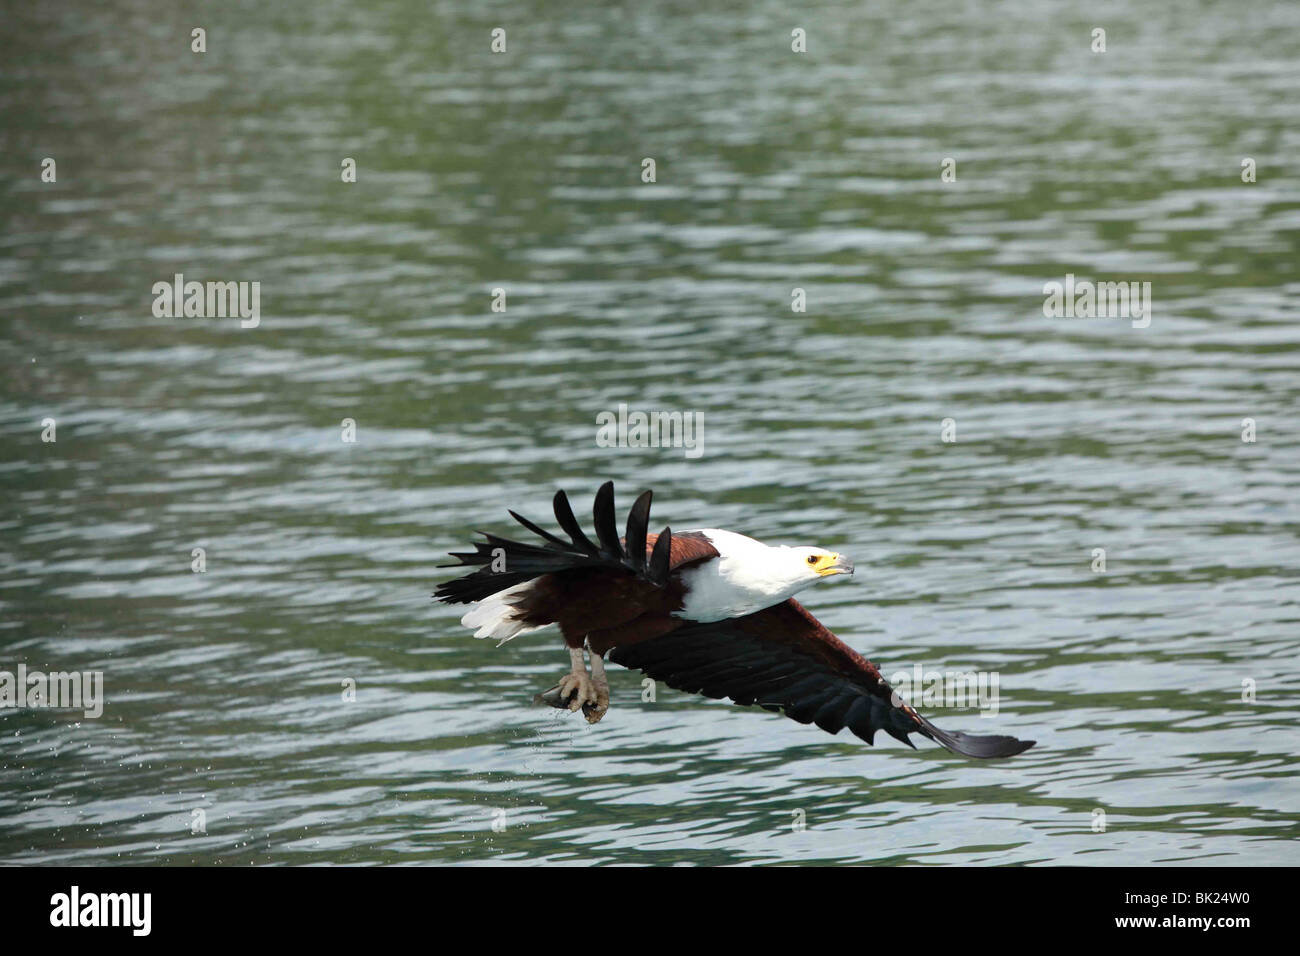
<point x="707" y="611"/>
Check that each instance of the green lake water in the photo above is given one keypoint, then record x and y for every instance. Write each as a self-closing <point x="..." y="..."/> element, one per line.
<point x="1162" y="692"/>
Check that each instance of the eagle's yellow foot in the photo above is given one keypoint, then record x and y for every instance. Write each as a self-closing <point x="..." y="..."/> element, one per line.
<point x="577" y="690"/>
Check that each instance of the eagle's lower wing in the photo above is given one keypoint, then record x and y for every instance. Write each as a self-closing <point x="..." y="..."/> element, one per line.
<point x="782" y="658"/>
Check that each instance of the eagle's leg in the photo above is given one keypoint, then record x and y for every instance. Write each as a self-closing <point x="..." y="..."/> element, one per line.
<point x="594" y="711"/>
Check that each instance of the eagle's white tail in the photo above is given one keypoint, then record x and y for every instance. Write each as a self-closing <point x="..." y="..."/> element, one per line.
<point x="497" y="617"/>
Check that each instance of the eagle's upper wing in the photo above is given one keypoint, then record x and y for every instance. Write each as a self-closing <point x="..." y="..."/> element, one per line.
<point x="649" y="558"/>
<point x="782" y="658"/>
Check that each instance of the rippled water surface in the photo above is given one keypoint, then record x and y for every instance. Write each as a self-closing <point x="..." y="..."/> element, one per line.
<point x="775" y="171"/>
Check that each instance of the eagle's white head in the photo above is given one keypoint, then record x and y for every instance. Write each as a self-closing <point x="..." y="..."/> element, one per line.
<point x="749" y="576"/>
<point x="814" y="563"/>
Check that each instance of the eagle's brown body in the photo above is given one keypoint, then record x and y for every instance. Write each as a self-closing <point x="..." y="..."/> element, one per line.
<point x="610" y="608"/>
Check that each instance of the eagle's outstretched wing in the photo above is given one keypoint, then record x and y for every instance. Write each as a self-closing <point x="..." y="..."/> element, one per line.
<point x="782" y="658"/>
<point x="649" y="558"/>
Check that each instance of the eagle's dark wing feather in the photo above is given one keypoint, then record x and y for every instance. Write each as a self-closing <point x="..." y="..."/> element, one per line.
<point x="524" y="561"/>
<point x="782" y="658"/>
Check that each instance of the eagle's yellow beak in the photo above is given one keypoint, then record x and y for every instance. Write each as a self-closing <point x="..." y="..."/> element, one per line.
<point x="830" y="563"/>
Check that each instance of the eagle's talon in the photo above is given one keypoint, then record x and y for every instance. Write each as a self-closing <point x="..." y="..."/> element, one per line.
<point x="597" y="709"/>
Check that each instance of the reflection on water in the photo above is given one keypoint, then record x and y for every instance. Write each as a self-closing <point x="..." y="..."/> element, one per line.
<point x="522" y="171"/>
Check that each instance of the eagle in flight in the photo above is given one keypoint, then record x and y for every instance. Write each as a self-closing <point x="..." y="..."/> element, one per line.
<point x="709" y="612"/>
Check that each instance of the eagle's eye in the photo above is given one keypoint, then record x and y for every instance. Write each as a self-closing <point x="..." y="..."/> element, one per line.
<point x="812" y="559"/>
